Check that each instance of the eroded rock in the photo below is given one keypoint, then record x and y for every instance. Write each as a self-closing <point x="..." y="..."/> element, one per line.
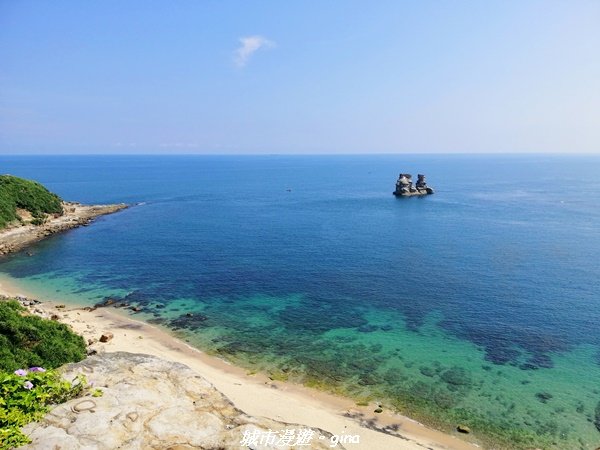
<point x="150" y="403"/>
<point x="405" y="188"/>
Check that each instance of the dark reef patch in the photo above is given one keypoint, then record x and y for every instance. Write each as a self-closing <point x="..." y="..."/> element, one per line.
<point x="189" y="321"/>
<point x="427" y="371"/>
<point x="456" y="377"/>
<point x="544" y="396"/>
<point x="321" y="317"/>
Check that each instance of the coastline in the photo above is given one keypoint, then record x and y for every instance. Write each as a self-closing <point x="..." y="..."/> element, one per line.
<point x="74" y="216"/>
<point x="282" y="401"/>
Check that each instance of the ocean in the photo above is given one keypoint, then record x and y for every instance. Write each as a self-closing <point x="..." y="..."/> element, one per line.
<point x="477" y="305"/>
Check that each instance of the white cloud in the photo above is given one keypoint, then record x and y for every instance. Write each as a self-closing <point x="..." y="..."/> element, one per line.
<point x="249" y="45"/>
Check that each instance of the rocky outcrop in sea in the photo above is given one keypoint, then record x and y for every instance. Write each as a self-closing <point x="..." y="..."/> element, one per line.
<point x="405" y="188"/>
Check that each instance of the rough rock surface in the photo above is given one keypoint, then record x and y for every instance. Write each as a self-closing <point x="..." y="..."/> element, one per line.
<point x="150" y="403"/>
<point x="75" y="215"/>
<point x="405" y="188"/>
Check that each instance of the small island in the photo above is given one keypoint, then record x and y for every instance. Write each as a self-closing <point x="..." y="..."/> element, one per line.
<point x="405" y="188"/>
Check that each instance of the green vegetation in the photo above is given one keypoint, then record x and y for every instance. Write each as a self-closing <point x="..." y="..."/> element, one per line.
<point x="27" y="340"/>
<point x="26" y="395"/>
<point x="28" y="195"/>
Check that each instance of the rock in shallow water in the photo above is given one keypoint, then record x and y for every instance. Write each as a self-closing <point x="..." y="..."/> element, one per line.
<point x="463" y="429"/>
<point x="150" y="403"/>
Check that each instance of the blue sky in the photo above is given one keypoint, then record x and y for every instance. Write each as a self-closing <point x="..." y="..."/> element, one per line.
<point x="299" y="77"/>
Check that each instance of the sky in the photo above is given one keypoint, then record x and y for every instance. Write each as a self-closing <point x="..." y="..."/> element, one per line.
<point x="299" y="77"/>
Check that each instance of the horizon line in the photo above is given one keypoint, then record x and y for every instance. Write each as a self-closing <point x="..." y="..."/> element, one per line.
<point x="582" y="153"/>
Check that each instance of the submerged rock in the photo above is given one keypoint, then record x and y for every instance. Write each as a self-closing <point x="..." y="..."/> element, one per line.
<point x="108" y="301"/>
<point x="150" y="403"/>
<point x="456" y="376"/>
<point x="427" y="371"/>
<point x="543" y="396"/>
<point x="189" y="321"/>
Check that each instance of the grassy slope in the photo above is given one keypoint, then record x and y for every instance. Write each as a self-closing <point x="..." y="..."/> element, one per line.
<point x="29" y="195"/>
<point x="27" y="340"/>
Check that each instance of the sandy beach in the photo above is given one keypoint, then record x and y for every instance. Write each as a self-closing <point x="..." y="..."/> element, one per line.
<point x="256" y="395"/>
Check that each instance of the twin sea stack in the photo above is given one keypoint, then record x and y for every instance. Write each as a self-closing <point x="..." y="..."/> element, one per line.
<point x="405" y="188"/>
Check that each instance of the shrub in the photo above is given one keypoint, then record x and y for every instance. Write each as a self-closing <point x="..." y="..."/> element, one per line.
<point x="38" y="221"/>
<point x="27" y="340"/>
<point x="26" y="395"/>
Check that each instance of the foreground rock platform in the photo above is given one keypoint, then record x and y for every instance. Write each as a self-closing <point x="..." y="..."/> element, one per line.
<point x="151" y="403"/>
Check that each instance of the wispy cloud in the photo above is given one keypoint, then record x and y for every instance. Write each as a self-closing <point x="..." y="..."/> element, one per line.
<point x="248" y="46"/>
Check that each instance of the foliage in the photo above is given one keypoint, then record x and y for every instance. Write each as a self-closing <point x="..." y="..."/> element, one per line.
<point x="27" y="340"/>
<point x="26" y="194"/>
<point x="97" y="393"/>
<point x="25" y="396"/>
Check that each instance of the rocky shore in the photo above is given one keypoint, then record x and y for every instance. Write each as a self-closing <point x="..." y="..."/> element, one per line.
<point x="75" y="215"/>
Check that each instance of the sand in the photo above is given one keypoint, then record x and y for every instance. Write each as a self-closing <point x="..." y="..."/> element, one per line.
<point x="256" y="395"/>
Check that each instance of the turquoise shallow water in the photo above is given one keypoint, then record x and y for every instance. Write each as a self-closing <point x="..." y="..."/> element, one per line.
<point x="476" y="305"/>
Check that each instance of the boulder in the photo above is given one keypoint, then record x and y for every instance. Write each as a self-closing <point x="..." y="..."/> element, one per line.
<point x="106" y="337"/>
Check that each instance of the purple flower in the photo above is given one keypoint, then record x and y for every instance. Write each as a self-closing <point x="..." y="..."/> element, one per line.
<point x="37" y="369"/>
<point x="21" y="372"/>
<point x="28" y="385"/>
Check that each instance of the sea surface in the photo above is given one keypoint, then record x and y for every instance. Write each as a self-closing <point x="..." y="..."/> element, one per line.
<point x="478" y="305"/>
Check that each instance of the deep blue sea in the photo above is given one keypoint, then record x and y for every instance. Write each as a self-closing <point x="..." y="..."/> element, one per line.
<point x="479" y="304"/>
